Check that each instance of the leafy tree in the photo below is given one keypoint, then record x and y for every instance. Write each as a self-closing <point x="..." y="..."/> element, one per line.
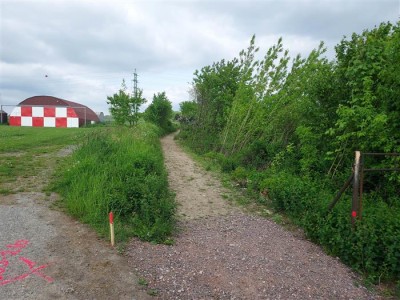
<point x="259" y="82"/>
<point x="124" y="107"/>
<point x="188" y="112"/>
<point x="214" y="88"/>
<point x="160" y="112"/>
<point x="368" y="119"/>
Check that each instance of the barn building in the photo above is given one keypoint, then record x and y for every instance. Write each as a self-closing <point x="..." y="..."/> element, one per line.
<point x="47" y="111"/>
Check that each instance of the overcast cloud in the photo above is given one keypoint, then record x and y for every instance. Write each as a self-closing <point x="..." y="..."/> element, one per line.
<point x="87" y="47"/>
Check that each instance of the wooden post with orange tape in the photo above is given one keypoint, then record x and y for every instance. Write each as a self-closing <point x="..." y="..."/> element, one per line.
<point x="111" y="218"/>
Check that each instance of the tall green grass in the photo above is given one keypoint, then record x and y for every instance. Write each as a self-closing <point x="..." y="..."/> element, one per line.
<point x="121" y="170"/>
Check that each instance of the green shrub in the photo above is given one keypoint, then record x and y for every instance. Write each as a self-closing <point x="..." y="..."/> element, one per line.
<point x="289" y="193"/>
<point x="372" y="247"/>
<point x="228" y="164"/>
<point x="240" y="175"/>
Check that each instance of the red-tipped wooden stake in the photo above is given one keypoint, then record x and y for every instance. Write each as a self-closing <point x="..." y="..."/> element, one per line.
<point x="111" y="218"/>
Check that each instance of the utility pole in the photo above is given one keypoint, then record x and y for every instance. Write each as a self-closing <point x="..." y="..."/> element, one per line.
<point x="135" y="82"/>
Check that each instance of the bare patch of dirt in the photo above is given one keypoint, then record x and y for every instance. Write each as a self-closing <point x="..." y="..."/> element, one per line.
<point x="42" y="168"/>
<point x="11" y="154"/>
<point x="89" y="266"/>
<point x="7" y="200"/>
<point x="223" y="253"/>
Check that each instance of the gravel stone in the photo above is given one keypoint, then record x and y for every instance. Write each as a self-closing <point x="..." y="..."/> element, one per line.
<point x="254" y="259"/>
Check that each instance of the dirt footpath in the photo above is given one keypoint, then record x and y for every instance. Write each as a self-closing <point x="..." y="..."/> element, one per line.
<point x="44" y="254"/>
<point x="223" y="253"/>
<point x="198" y="194"/>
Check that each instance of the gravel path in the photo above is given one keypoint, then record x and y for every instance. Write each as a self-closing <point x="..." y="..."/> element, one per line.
<point x="222" y="253"/>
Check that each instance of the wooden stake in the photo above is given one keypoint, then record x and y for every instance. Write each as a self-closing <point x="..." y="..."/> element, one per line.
<point x="111" y="218"/>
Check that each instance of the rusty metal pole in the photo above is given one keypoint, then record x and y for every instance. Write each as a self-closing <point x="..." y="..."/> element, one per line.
<point x="356" y="189"/>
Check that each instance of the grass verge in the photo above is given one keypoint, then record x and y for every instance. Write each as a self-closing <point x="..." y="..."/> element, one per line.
<point x="120" y="170"/>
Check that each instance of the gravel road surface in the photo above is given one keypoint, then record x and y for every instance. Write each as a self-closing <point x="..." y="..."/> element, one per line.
<point x="222" y="253"/>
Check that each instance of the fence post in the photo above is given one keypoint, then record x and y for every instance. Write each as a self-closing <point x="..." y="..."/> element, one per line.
<point x="355" y="207"/>
<point x="360" y="196"/>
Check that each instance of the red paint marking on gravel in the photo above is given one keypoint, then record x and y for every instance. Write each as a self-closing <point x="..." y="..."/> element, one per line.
<point x="15" y="249"/>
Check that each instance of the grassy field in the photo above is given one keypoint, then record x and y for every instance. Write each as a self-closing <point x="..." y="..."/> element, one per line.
<point x="23" y="150"/>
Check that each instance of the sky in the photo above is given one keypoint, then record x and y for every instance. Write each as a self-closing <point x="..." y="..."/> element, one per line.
<point x="80" y="50"/>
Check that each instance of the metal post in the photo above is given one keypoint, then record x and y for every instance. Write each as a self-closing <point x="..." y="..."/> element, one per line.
<point x="355" y="209"/>
<point x="1" y="114"/>
<point x="361" y="187"/>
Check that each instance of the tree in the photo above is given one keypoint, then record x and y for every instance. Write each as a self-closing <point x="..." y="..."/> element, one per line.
<point x="255" y="98"/>
<point x="188" y="112"/>
<point x="160" y="112"/>
<point x="213" y="91"/>
<point x="368" y="120"/>
<point x="124" y="106"/>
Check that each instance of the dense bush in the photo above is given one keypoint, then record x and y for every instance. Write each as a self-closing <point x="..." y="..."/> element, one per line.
<point x="121" y="170"/>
